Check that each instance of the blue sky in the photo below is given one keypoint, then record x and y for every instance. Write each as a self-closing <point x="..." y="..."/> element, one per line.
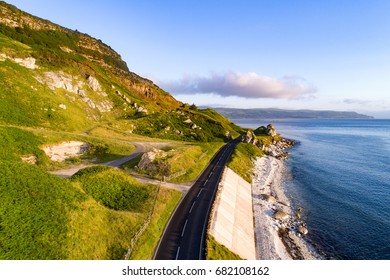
<point x="248" y="54"/>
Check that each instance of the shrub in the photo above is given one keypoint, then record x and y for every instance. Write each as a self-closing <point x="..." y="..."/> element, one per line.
<point x="33" y="212"/>
<point x="113" y="188"/>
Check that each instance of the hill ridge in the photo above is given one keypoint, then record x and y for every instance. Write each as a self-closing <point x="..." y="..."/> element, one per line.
<point x="57" y="78"/>
<point x="270" y="113"/>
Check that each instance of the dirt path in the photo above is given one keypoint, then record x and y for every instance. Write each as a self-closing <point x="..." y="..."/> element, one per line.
<point x="140" y="148"/>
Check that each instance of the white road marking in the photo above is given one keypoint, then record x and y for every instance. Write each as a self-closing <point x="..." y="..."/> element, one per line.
<point x="193" y="204"/>
<point x="184" y="228"/>
<point x="178" y="251"/>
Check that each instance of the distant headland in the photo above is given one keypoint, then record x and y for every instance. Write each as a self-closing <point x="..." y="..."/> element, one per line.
<point x="273" y="113"/>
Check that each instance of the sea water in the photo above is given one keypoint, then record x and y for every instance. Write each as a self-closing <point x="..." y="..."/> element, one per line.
<point x="339" y="174"/>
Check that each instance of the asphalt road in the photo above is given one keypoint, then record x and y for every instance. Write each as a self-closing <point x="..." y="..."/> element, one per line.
<point x="184" y="236"/>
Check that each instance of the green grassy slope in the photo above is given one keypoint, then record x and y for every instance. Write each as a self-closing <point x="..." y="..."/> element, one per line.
<point x="33" y="212"/>
<point x="241" y="160"/>
<point x="45" y="217"/>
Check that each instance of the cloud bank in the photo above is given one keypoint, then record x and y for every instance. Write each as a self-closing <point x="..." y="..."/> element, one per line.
<point x="247" y="85"/>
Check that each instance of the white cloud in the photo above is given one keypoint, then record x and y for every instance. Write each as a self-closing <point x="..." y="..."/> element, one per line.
<point x="247" y="85"/>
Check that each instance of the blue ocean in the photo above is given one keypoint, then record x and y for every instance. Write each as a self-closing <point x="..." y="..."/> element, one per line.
<point x="339" y="173"/>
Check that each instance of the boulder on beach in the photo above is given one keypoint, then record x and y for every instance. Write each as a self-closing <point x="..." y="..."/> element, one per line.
<point x="302" y="230"/>
<point x="280" y="215"/>
<point x="268" y="198"/>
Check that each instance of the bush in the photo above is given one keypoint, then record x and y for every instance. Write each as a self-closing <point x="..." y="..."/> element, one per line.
<point x="98" y="150"/>
<point x="113" y="188"/>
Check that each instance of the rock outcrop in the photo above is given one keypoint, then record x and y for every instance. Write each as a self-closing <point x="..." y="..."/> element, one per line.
<point x="276" y="148"/>
<point x="148" y="160"/>
<point x="28" y="62"/>
<point x="93" y="83"/>
<point x="31" y="159"/>
<point x="76" y="85"/>
<point x="270" y="130"/>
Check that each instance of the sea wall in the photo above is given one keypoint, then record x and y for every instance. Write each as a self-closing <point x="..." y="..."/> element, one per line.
<point x="232" y="216"/>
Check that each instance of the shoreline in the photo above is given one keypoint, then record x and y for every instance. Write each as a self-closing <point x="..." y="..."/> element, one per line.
<point x="279" y="230"/>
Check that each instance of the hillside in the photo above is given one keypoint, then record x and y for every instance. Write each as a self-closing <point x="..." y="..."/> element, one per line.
<point x="59" y="86"/>
<point x="271" y="113"/>
<point x="53" y="77"/>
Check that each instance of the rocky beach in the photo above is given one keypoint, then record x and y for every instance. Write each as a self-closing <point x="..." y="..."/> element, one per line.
<point x="279" y="230"/>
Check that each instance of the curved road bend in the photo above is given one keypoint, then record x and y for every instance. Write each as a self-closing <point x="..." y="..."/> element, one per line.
<point x="184" y="236"/>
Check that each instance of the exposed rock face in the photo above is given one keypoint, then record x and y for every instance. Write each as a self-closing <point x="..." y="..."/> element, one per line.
<point x="61" y="80"/>
<point x="95" y="86"/>
<point x="249" y="138"/>
<point x="228" y="135"/>
<point x="147" y="161"/>
<point x="32" y="159"/>
<point x="12" y="19"/>
<point x="124" y="97"/>
<point x="141" y="109"/>
<point x="276" y="149"/>
<point x="28" y="62"/>
<point x="270" y="130"/>
<point x="65" y="150"/>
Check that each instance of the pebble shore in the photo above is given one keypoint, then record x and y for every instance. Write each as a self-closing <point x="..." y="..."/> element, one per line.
<point x="279" y="230"/>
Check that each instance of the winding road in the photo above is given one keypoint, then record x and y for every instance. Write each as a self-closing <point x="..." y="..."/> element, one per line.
<point x="184" y="236"/>
<point x="140" y="147"/>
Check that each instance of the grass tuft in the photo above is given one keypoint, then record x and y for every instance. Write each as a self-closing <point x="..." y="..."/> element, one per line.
<point x="217" y="251"/>
<point x="241" y="160"/>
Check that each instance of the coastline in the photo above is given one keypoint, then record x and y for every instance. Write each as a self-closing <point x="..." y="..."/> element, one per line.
<point x="279" y="230"/>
